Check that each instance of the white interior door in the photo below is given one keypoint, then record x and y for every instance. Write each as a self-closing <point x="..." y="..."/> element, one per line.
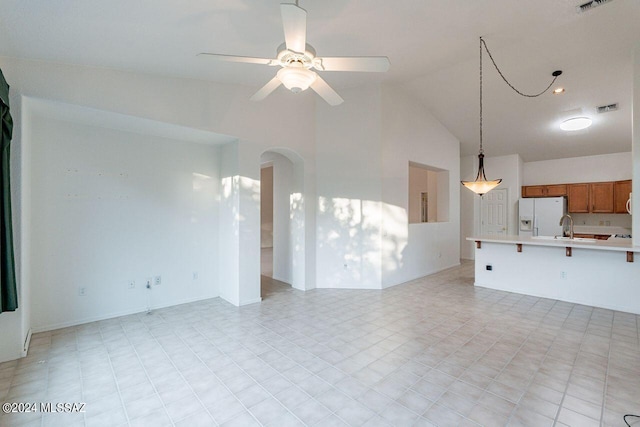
<point x="493" y="212"/>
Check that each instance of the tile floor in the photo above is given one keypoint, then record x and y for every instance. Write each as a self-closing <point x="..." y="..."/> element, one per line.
<point x="436" y="351"/>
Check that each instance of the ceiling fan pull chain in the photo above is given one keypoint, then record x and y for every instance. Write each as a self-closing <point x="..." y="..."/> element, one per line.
<point x="555" y="74"/>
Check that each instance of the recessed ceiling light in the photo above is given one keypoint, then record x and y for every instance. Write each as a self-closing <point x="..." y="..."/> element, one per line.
<point x="558" y="91"/>
<point x="576" y="123"/>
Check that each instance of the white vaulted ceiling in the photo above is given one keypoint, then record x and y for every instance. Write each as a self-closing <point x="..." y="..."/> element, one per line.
<point x="432" y="46"/>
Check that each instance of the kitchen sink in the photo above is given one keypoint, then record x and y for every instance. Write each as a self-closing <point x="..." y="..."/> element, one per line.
<point x="567" y="239"/>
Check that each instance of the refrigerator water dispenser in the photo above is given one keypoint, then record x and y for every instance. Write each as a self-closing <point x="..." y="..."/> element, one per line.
<point x="526" y="223"/>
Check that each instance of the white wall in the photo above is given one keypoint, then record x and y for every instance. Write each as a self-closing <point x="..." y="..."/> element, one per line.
<point x="348" y="171"/>
<point x="228" y="225"/>
<point x="266" y="206"/>
<point x="411" y="133"/>
<point x="636" y="147"/>
<point x="468" y="170"/>
<point x="362" y="163"/>
<point x="239" y="224"/>
<point x="109" y="207"/>
<point x="606" y="167"/>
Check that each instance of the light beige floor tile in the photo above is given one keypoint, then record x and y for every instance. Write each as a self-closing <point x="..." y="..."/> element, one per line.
<point x="495" y="356"/>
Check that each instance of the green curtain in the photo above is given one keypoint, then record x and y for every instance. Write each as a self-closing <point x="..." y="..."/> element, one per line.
<point x="8" y="289"/>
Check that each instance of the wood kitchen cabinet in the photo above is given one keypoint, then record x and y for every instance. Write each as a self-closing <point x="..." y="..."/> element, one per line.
<point x="621" y="195"/>
<point x="596" y="197"/>
<point x="533" y="191"/>
<point x="601" y="197"/>
<point x="555" y="190"/>
<point x="578" y="198"/>
<point x="586" y="197"/>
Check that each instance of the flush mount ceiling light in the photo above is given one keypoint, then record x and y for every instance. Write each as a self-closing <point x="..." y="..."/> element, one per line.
<point x="481" y="185"/>
<point x="575" y="123"/>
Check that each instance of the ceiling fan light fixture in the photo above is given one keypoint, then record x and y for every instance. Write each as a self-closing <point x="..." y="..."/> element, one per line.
<point x="575" y="123"/>
<point x="296" y="79"/>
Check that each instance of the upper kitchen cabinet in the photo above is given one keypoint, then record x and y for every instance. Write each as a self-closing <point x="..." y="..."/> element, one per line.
<point x="586" y="197"/>
<point x="578" y="198"/>
<point x="554" y="190"/>
<point x="602" y="197"/>
<point x="596" y="197"/>
<point x="621" y="196"/>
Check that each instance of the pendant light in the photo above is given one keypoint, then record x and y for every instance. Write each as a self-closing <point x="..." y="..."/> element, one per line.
<point x="481" y="185"/>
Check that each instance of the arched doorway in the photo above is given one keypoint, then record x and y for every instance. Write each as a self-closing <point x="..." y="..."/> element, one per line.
<point x="282" y="224"/>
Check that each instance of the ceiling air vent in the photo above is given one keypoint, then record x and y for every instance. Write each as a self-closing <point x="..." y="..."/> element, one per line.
<point x="590" y="5"/>
<point x="607" y="108"/>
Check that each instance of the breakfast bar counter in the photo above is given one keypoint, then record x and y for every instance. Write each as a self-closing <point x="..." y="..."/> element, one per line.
<point x="600" y="273"/>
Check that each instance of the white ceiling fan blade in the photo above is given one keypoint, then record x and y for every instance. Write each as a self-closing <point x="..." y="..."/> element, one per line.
<point x="326" y="92"/>
<point x="233" y="58"/>
<point x="352" y="63"/>
<point x="266" y="89"/>
<point x="294" y="21"/>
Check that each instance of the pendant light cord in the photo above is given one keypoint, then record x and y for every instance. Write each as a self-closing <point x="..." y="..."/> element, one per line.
<point x="481" y="42"/>
<point x="555" y="74"/>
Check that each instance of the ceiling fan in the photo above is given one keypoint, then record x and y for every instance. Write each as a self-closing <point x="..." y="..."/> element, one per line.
<point x="297" y="59"/>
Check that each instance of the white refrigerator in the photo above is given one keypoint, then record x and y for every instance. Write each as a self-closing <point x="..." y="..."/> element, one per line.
<point x="541" y="216"/>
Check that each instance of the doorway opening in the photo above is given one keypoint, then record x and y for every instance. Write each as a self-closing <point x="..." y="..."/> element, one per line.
<point x="266" y="219"/>
<point x="282" y="249"/>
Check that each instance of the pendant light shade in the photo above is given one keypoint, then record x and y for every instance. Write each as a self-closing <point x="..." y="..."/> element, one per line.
<point x="481" y="186"/>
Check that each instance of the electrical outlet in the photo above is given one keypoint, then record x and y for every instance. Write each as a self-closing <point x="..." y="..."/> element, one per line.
<point x="195" y="275"/>
<point x="563" y="274"/>
<point x="132" y="284"/>
<point x="82" y="291"/>
<point x="157" y="280"/>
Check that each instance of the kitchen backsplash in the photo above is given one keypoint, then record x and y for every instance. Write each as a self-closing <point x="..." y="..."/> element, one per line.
<point x="612" y="220"/>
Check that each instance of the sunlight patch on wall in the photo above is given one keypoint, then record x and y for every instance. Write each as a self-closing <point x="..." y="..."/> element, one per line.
<point x="395" y="236"/>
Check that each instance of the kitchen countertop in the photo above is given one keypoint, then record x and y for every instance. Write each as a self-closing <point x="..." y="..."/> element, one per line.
<point x="623" y="245"/>
<point x="600" y="229"/>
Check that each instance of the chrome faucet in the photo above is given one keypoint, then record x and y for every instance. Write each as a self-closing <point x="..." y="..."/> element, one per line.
<point x="570" y="225"/>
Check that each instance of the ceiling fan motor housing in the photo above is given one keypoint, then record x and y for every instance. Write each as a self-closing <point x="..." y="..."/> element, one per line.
<point x="288" y="57"/>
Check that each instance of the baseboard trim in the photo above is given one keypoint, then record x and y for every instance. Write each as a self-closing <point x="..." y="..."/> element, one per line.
<point x="251" y="301"/>
<point x="385" y="286"/>
<point x="27" y="342"/>
<point x="614" y="307"/>
<point x="136" y="310"/>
